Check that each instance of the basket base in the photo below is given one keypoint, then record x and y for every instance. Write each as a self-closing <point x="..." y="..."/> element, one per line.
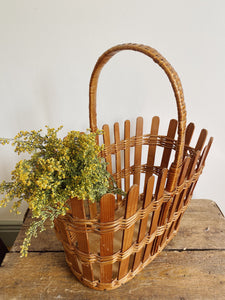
<point x="97" y="285"/>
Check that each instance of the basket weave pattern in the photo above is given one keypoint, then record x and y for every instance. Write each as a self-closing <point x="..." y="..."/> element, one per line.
<point x="108" y="243"/>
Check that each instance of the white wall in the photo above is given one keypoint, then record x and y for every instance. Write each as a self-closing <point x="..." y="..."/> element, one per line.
<point x="48" y="49"/>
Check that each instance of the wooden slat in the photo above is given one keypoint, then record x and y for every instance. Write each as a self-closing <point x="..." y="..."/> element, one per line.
<point x="200" y="164"/>
<point x="185" y="194"/>
<point x="198" y="148"/>
<point x="78" y="211"/>
<point x="155" y="216"/>
<point x="143" y="222"/>
<point x="189" y="133"/>
<point x="205" y="153"/>
<point x="131" y="207"/>
<point x="92" y="209"/>
<point x="107" y="204"/>
<point x="67" y="235"/>
<point x="188" y="136"/>
<point x="106" y="139"/>
<point x="127" y="154"/>
<point x="168" y="213"/>
<point x="167" y="150"/>
<point x="201" y="140"/>
<point x="138" y="150"/>
<point x="118" y="157"/>
<point x="152" y="148"/>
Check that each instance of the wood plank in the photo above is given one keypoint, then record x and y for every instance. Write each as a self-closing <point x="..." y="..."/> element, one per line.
<point x="127" y="154"/>
<point x="138" y="151"/>
<point x="131" y="207"/>
<point x="152" y="148"/>
<point x="143" y="222"/>
<point x="107" y="204"/>
<point x="172" y="275"/>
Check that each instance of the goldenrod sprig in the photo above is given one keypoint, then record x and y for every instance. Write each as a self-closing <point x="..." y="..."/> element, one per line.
<point x="57" y="169"/>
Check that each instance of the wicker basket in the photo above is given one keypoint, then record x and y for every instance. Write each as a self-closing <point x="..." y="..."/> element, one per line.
<point x="108" y="243"/>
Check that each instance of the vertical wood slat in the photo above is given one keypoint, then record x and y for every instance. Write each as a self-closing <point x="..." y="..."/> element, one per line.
<point x="155" y="216"/>
<point x="106" y="140"/>
<point x="118" y="158"/>
<point x="78" y="211"/>
<point x="190" y="173"/>
<point x="68" y="238"/>
<point x="143" y="222"/>
<point x="201" y="140"/>
<point x="167" y="150"/>
<point x="188" y="136"/>
<point x="138" y="150"/>
<point x="152" y="148"/>
<point x="164" y="164"/>
<point x="131" y="207"/>
<point x="199" y="145"/>
<point x="127" y="154"/>
<point x="107" y="204"/>
<point x="189" y="133"/>
<point x="92" y="209"/>
<point x="199" y="163"/>
<point x="206" y="152"/>
<point x="181" y="179"/>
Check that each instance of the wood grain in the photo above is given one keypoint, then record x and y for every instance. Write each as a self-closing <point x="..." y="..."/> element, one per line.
<point x="127" y="154"/>
<point x="152" y="148"/>
<point x="78" y="211"/>
<point x="138" y="150"/>
<point x="131" y="206"/>
<point x="155" y="216"/>
<point x="118" y="158"/>
<point x="172" y="275"/>
<point x="143" y="223"/>
<point x="106" y="240"/>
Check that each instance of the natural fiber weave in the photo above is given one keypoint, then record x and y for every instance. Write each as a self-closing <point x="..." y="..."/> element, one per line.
<point x="108" y="243"/>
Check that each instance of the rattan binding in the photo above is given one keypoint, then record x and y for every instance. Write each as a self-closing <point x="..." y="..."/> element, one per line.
<point x="108" y="243"/>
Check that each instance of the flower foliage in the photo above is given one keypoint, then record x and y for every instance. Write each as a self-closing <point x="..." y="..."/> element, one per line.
<point x="57" y="169"/>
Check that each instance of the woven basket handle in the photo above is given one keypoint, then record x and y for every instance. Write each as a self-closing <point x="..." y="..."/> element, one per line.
<point x="172" y="76"/>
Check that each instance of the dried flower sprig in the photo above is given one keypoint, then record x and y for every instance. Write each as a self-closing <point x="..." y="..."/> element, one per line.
<point x="58" y="169"/>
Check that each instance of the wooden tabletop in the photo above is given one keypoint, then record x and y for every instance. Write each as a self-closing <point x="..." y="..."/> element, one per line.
<point x="192" y="266"/>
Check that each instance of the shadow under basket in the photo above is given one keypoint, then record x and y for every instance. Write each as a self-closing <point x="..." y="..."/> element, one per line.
<point x="107" y="243"/>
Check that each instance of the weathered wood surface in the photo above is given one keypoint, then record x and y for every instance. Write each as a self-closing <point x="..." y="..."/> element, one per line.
<point x="172" y="275"/>
<point x="191" y="266"/>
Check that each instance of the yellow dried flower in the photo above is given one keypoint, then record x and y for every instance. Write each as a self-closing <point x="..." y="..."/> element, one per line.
<point x="58" y="168"/>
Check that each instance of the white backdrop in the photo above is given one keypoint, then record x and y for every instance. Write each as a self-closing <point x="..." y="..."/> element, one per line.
<point x="48" y="49"/>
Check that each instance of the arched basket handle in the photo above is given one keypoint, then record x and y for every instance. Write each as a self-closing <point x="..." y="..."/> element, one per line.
<point x="174" y="80"/>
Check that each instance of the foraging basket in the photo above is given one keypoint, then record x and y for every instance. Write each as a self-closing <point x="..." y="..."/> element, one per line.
<point x="108" y="243"/>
